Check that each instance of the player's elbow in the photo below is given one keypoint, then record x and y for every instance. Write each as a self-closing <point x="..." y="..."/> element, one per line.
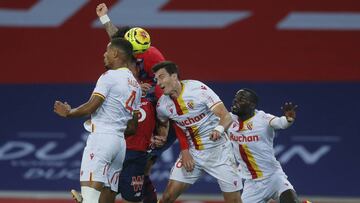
<point x="131" y="126"/>
<point x="227" y="120"/>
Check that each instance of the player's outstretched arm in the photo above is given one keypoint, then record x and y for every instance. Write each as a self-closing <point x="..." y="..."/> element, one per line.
<point x="224" y="123"/>
<point x="287" y="120"/>
<point x="101" y="11"/>
<point x="65" y="110"/>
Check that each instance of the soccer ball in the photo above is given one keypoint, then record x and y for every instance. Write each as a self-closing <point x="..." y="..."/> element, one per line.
<point x="139" y="39"/>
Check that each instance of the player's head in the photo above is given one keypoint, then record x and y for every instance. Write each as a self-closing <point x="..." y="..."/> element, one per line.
<point x="118" y="53"/>
<point x="245" y="102"/>
<point x="167" y="76"/>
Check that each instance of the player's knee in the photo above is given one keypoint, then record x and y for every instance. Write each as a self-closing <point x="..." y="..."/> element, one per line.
<point x="289" y="196"/>
<point x="90" y="195"/>
<point x="168" y="197"/>
<point x="107" y="195"/>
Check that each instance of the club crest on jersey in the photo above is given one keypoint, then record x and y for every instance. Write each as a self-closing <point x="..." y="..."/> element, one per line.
<point x="190" y="104"/>
<point x="249" y="126"/>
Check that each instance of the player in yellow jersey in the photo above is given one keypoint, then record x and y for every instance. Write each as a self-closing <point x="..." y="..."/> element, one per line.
<point x="252" y="134"/>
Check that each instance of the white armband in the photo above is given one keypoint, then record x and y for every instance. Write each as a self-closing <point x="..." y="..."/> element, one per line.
<point x="104" y="19"/>
<point x="220" y="129"/>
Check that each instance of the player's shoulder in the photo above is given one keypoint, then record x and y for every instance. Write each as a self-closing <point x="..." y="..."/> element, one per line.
<point x="194" y="84"/>
<point x="233" y="116"/>
<point x="260" y="112"/>
<point x="115" y="72"/>
<point x="164" y="105"/>
<point x="164" y="99"/>
<point x="263" y="115"/>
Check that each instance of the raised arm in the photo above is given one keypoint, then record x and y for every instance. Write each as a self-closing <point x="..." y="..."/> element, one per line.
<point x="101" y="11"/>
<point x="65" y="110"/>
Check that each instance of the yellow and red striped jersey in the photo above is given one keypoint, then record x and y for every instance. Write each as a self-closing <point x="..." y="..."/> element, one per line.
<point x="191" y="111"/>
<point x="252" y="142"/>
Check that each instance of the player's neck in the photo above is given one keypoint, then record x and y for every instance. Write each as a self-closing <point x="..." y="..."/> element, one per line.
<point x="177" y="90"/>
<point x="245" y="117"/>
<point x="118" y="65"/>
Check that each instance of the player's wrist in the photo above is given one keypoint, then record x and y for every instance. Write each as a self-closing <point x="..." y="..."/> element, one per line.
<point x="290" y="119"/>
<point x="104" y="19"/>
<point x="220" y="129"/>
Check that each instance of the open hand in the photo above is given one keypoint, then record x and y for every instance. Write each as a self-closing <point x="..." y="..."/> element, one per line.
<point x="62" y="109"/>
<point x="145" y="87"/>
<point x="289" y="111"/>
<point x="187" y="160"/>
<point x="158" y="141"/>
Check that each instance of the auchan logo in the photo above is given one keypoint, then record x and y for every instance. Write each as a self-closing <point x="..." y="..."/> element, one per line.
<point x="191" y="120"/>
<point x="243" y="138"/>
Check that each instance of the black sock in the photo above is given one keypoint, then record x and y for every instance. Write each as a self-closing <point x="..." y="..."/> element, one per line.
<point x="149" y="191"/>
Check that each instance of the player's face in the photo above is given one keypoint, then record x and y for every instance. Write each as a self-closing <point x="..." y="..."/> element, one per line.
<point x="166" y="81"/>
<point x="108" y="58"/>
<point x="242" y="103"/>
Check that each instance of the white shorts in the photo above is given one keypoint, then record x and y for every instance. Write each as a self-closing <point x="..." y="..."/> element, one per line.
<point x="103" y="158"/>
<point x="260" y="191"/>
<point x="219" y="162"/>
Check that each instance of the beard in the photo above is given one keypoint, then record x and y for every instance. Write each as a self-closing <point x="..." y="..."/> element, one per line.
<point x="241" y="110"/>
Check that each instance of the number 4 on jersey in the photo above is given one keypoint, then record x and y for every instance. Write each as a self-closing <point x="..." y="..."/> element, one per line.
<point x="130" y="101"/>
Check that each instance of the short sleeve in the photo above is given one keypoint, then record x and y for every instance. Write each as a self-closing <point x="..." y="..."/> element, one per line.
<point x="103" y="86"/>
<point x="208" y="96"/>
<point x="137" y="103"/>
<point x="161" y="111"/>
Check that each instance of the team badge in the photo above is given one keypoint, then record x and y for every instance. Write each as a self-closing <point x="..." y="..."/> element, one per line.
<point x="249" y="125"/>
<point x="190" y="104"/>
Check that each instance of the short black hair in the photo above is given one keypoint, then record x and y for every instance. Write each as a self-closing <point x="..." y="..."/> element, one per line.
<point x="124" y="45"/>
<point x="253" y="96"/>
<point x="169" y="66"/>
<point x="121" y="32"/>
